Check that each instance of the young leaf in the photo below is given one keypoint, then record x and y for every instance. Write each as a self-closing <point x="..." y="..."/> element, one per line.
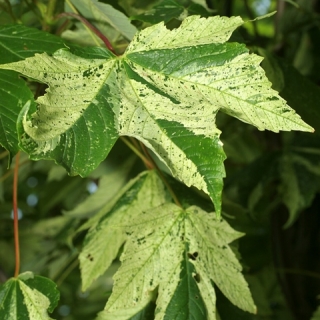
<point x="106" y="235"/>
<point x="165" y="91"/>
<point x="28" y="297"/>
<point x="155" y="256"/>
<point x="102" y="14"/>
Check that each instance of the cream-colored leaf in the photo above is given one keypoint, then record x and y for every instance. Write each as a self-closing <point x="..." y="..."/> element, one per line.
<point x="152" y="256"/>
<point x="107" y="234"/>
<point x="210" y="237"/>
<point x="193" y="31"/>
<point x="36" y="303"/>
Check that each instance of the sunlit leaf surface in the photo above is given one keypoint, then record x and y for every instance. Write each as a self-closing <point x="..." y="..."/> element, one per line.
<point x="165" y="91"/>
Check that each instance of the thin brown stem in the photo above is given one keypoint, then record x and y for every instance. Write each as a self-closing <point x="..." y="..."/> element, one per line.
<point x="162" y="177"/>
<point x="15" y="216"/>
<point x="90" y="26"/>
<point x="63" y="27"/>
<point x="136" y="150"/>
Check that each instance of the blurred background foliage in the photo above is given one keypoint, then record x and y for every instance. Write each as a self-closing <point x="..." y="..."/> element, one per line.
<point x="273" y="180"/>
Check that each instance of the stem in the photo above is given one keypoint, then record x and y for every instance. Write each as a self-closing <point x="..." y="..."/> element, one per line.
<point x="164" y="180"/>
<point x="145" y="160"/>
<point x="65" y="274"/>
<point x="15" y="215"/>
<point x="63" y="26"/>
<point x="51" y="8"/>
<point x="10" y="11"/>
<point x="90" y="26"/>
<point x="48" y="15"/>
<point x="252" y="17"/>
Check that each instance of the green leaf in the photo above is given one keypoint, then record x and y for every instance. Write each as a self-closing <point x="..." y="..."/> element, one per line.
<point x="300" y="182"/>
<point x="165" y="91"/>
<point x="316" y="314"/>
<point x="154" y="254"/>
<point x="163" y="11"/>
<point x="28" y="297"/>
<point x="14" y="93"/>
<point x="101" y="14"/>
<point x="145" y="314"/>
<point x="106" y="235"/>
<point x="186" y="302"/>
<point x="167" y="10"/>
<point x="18" y="42"/>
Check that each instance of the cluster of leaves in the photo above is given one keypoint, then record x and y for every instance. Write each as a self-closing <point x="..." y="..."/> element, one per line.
<point x="159" y="92"/>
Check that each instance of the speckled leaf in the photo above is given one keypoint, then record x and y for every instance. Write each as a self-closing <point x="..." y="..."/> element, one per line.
<point x="165" y="91"/>
<point x="28" y="297"/>
<point x="18" y="42"/>
<point x="186" y="302"/>
<point x="152" y="257"/>
<point x="155" y="254"/>
<point x="74" y="124"/>
<point x="106" y="235"/>
<point x="216" y="261"/>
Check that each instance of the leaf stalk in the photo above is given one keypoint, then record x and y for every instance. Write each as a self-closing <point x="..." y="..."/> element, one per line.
<point x="89" y="25"/>
<point x="145" y="160"/>
<point x="15" y="216"/>
<point x="162" y="177"/>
